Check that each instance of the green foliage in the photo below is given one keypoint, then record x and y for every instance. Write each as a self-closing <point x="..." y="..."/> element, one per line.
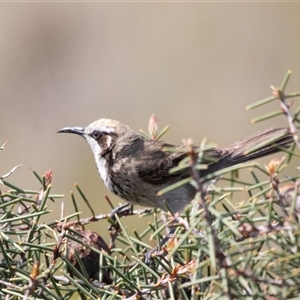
<point x="248" y="248"/>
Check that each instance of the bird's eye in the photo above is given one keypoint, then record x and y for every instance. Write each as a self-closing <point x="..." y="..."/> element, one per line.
<point x="96" y="134"/>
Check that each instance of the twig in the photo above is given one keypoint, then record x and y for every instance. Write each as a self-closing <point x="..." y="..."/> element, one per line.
<point x="10" y="172"/>
<point x="286" y="110"/>
<point x="207" y="215"/>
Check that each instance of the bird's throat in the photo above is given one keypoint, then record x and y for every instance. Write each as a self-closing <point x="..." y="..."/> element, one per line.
<point x="102" y="166"/>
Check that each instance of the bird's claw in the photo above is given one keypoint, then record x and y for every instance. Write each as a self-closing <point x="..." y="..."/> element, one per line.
<point x="121" y="210"/>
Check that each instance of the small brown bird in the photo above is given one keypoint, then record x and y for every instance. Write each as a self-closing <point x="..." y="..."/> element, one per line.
<point x="136" y="169"/>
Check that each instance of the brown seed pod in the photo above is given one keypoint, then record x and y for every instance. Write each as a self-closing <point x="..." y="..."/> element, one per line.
<point x="89" y="258"/>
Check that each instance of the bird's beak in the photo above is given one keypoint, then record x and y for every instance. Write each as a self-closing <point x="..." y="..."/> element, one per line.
<point x="75" y="130"/>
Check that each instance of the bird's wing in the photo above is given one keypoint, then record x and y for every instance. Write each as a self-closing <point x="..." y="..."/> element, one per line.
<point x="154" y="166"/>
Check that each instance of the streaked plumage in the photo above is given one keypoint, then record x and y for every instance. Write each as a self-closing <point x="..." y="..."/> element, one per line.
<point x="135" y="168"/>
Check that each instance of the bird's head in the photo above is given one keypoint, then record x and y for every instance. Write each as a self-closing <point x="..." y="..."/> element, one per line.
<point x="102" y="135"/>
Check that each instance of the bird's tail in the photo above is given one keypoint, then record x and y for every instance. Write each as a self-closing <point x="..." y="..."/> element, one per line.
<point x="261" y="144"/>
<point x="255" y="146"/>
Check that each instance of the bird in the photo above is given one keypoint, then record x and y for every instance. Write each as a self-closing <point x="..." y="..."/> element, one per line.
<point x="136" y="168"/>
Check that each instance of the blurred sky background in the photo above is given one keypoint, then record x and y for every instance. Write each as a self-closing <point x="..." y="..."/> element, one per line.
<point x="195" y="65"/>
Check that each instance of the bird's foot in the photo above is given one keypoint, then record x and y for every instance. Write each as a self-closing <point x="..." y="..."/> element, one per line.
<point x="120" y="211"/>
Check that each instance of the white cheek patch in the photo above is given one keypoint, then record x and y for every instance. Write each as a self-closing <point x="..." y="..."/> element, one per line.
<point x="108" y="141"/>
